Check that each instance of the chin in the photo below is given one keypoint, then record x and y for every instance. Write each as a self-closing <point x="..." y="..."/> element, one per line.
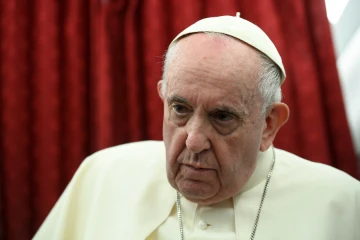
<point x="197" y="192"/>
<point x="205" y="201"/>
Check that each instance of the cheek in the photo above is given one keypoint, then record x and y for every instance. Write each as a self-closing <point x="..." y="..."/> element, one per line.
<point x="252" y="135"/>
<point x="174" y="140"/>
<point x="171" y="134"/>
<point x="237" y="153"/>
<point x="237" y="160"/>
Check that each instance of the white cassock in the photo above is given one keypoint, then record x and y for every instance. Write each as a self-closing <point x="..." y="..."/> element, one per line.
<point x="123" y="193"/>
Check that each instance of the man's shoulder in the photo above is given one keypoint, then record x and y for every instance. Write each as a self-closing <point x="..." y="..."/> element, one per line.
<point x="110" y="191"/>
<point x="313" y="174"/>
<point x="143" y="152"/>
<point x="133" y="149"/>
<point x="130" y="160"/>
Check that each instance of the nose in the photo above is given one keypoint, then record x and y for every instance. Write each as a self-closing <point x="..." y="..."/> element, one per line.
<point x="197" y="139"/>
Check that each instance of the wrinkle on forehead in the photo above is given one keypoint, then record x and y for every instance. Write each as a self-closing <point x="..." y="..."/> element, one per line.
<point x="184" y="52"/>
<point x="204" y="62"/>
<point x="202" y="91"/>
<point x="224" y="56"/>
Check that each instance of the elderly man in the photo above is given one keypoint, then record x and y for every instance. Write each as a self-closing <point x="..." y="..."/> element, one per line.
<point x="218" y="176"/>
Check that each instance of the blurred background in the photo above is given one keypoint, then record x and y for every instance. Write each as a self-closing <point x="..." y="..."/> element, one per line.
<point x="344" y="17"/>
<point x="77" y="76"/>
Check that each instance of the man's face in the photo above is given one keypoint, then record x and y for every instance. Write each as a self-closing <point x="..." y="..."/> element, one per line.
<point x="212" y="125"/>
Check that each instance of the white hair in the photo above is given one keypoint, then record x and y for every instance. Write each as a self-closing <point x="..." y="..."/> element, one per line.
<point x="269" y="75"/>
<point x="269" y="82"/>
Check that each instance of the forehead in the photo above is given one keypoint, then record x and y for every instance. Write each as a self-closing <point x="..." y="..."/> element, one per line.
<point x="213" y="67"/>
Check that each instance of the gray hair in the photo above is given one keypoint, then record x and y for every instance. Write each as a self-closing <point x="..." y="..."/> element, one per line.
<point x="269" y="82"/>
<point x="269" y="76"/>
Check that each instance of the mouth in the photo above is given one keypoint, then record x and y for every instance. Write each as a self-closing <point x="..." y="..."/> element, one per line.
<point x="197" y="169"/>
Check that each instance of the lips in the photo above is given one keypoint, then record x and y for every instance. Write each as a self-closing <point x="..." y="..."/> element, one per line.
<point x="196" y="174"/>
<point x="198" y="169"/>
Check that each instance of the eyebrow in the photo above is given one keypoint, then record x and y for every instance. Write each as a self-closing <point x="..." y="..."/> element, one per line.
<point x="240" y="114"/>
<point x="226" y="109"/>
<point x="178" y="99"/>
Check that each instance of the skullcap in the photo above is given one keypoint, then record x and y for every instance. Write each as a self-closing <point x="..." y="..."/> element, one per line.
<point x="241" y="29"/>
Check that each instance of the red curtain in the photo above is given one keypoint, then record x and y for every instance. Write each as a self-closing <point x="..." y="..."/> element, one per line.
<point x="78" y="76"/>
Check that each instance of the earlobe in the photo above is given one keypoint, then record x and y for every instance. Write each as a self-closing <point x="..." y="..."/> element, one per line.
<point x="275" y="119"/>
<point x="159" y="89"/>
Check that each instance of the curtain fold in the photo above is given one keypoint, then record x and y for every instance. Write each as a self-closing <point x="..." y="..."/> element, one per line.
<point x="78" y="76"/>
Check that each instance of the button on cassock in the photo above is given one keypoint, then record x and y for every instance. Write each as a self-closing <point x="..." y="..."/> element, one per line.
<point x="202" y="225"/>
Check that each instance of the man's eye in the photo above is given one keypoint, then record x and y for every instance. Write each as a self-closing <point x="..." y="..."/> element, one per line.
<point x="180" y="109"/>
<point x="223" y="116"/>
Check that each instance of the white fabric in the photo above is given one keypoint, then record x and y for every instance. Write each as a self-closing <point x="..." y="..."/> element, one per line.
<point x="199" y="222"/>
<point x="123" y="193"/>
<point x="241" y="29"/>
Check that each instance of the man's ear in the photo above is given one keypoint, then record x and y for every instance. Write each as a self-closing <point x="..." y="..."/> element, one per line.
<point x="276" y="117"/>
<point x="159" y="89"/>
